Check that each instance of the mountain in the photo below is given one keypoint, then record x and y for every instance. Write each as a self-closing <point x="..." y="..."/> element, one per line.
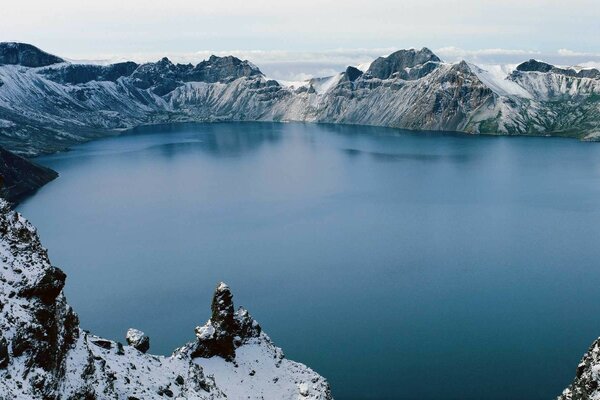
<point x="20" y="177"/>
<point x="47" y="104"/>
<point x="44" y="354"/>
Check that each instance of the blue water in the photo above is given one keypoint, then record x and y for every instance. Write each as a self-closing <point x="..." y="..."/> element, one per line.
<point x="398" y="265"/>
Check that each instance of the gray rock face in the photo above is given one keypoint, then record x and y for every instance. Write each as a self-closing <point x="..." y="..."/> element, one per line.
<point x="20" y="177"/>
<point x="397" y="64"/>
<point x="222" y="69"/>
<point x="76" y="74"/>
<point x="26" y="55"/>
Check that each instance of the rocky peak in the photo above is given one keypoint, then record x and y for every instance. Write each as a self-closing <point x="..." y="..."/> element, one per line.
<point x="400" y="62"/>
<point x="225" y="330"/>
<point x="13" y="53"/>
<point x="542" y="67"/>
<point x="223" y="69"/>
<point x="534" y="66"/>
<point x="352" y="74"/>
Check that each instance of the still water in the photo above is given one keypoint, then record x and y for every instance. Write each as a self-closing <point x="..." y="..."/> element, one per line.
<point x="398" y="265"/>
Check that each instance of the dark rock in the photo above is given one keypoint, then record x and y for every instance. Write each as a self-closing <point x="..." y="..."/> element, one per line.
<point x="225" y="330"/>
<point x="26" y="55"/>
<point x="352" y="74"/>
<point x="76" y="74"/>
<point x="539" y="66"/>
<point x="19" y="177"/>
<point x="222" y="69"/>
<point x="534" y="66"/>
<point x="105" y="344"/>
<point x="138" y="340"/>
<point x="48" y="287"/>
<point x="4" y="356"/>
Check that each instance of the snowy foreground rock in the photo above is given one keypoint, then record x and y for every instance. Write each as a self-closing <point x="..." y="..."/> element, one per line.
<point x="586" y="385"/>
<point x="44" y="354"/>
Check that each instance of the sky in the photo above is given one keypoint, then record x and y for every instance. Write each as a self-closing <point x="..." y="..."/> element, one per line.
<point x="311" y="37"/>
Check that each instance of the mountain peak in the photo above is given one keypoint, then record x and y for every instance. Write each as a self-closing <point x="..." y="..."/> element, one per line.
<point x="401" y="60"/>
<point x="534" y="66"/>
<point x="14" y="53"/>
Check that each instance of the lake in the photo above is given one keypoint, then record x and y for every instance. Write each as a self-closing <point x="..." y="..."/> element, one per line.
<point x="398" y="265"/>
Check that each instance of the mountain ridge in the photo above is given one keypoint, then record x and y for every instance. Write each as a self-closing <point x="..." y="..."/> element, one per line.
<point x="52" y="106"/>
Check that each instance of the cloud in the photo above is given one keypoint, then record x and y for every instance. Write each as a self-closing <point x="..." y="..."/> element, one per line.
<point x="572" y="53"/>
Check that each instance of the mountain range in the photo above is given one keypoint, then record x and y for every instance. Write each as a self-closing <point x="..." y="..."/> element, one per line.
<point x="48" y="104"/>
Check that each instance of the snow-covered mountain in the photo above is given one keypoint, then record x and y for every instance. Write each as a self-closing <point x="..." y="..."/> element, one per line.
<point x="47" y="104"/>
<point x="44" y="354"/>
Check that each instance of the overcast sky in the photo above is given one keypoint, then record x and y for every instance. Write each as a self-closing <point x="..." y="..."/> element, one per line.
<point x="275" y="31"/>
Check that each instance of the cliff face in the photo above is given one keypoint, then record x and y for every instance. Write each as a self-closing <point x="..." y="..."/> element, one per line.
<point x="20" y="177"/>
<point x="48" y="105"/>
<point x="44" y="354"/>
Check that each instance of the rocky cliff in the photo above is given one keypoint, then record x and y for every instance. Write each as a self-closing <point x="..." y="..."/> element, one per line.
<point x="44" y="354"/>
<point x="586" y="385"/>
<point x="47" y="104"/>
<point x="20" y="177"/>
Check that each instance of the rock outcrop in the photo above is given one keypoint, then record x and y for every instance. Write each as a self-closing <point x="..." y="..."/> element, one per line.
<point x="44" y="354"/>
<point x="586" y="385"/>
<point x="138" y="340"/>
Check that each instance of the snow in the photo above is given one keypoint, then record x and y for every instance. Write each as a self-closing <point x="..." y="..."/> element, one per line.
<point x="323" y="85"/>
<point x="496" y="78"/>
<point x="260" y="368"/>
<point x="205" y="332"/>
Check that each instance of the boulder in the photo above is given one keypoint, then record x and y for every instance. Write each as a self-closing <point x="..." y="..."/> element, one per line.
<point x="138" y="340"/>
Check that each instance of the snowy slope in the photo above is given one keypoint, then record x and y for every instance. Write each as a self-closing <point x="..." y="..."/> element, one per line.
<point x="44" y="354"/>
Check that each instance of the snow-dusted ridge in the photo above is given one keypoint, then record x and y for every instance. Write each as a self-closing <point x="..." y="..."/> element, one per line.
<point x="47" y="104"/>
<point x="44" y="354"/>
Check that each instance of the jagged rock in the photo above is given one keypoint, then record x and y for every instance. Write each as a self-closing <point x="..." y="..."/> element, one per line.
<point x="540" y="66"/>
<point x="222" y="69"/>
<point x="138" y="340"/>
<point x="586" y="385"/>
<point x="225" y="330"/>
<point x="352" y="74"/>
<point x="45" y="355"/>
<point x="399" y="61"/>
